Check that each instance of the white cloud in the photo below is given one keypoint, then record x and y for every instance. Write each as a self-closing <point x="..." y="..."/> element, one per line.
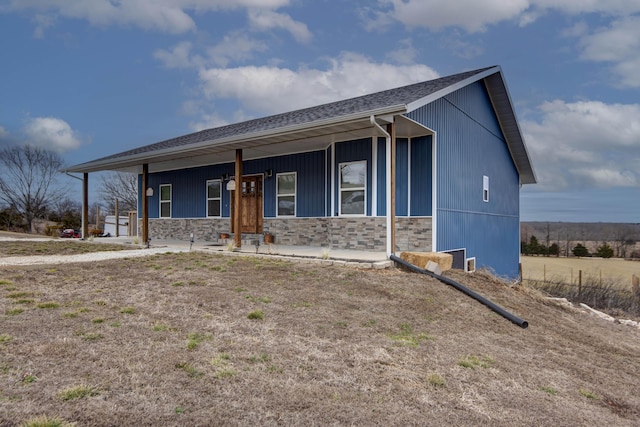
<point x="235" y="47"/>
<point x="471" y="15"/>
<point x="574" y="7"/>
<point x="619" y="44"/>
<point x="405" y="53"/>
<point x="267" y="19"/>
<point x="162" y="15"/>
<point x="3" y="133"/>
<point x="51" y="133"/>
<point x="585" y="144"/>
<point x="474" y="16"/>
<point x="269" y="90"/>
<point x="177" y="57"/>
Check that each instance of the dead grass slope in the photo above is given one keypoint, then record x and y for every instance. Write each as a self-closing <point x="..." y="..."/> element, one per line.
<point x="166" y="340"/>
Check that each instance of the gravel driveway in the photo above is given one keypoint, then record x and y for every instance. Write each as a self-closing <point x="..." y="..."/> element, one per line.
<point x="87" y="257"/>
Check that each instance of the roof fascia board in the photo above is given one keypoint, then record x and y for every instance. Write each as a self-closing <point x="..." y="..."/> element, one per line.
<point x="520" y="139"/>
<point x="98" y="165"/>
<point x="412" y="106"/>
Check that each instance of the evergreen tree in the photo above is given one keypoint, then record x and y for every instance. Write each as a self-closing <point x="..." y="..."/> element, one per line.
<point x="580" y="250"/>
<point x="604" y="251"/>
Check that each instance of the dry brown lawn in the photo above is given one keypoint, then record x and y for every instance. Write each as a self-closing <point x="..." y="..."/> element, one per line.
<point x="56" y="247"/>
<point x="204" y="339"/>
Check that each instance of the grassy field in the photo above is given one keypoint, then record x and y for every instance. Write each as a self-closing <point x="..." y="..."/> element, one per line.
<point x="202" y="339"/>
<point x="566" y="269"/>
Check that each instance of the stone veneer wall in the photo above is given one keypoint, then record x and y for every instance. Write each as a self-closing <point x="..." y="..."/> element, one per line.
<point x="357" y="233"/>
<point x="207" y="229"/>
<point x="414" y="234"/>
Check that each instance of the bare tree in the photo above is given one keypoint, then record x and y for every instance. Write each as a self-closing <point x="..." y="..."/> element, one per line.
<point x="122" y="186"/>
<point x="28" y="179"/>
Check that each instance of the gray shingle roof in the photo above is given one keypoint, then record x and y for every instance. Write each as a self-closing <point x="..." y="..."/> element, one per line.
<point x="397" y="101"/>
<point x="398" y="96"/>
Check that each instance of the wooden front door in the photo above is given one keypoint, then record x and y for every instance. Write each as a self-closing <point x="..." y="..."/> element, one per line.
<point x="251" y="221"/>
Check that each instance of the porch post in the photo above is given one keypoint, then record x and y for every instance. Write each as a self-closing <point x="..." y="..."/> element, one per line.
<point x="391" y="129"/>
<point x="145" y="203"/>
<point x="85" y="205"/>
<point x="117" y="220"/>
<point x="237" y="205"/>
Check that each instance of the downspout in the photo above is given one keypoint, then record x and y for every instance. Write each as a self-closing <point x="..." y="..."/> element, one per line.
<point x="493" y="306"/>
<point x="372" y="119"/>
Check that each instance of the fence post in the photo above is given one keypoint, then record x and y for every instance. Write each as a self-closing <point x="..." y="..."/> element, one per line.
<point x="579" y="282"/>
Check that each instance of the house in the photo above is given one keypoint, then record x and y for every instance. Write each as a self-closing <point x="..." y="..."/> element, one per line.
<point x="432" y="166"/>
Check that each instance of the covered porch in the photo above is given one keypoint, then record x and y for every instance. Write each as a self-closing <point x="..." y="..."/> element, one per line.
<point x="238" y="149"/>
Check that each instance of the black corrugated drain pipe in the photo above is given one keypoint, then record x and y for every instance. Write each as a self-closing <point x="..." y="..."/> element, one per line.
<point x="501" y="311"/>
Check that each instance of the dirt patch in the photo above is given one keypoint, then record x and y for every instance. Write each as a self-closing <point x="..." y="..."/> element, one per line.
<point x="204" y="339"/>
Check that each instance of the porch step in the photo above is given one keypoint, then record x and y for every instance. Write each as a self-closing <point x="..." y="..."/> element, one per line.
<point x="247" y="239"/>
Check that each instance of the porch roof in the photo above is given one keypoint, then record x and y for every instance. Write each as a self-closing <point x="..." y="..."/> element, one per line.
<point x="316" y="127"/>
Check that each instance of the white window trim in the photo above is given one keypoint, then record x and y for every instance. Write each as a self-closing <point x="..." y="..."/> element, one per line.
<point x="470" y="265"/>
<point x="340" y="190"/>
<point x="294" y="194"/>
<point x="485" y="188"/>
<point x="160" y="201"/>
<point x="219" y="181"/>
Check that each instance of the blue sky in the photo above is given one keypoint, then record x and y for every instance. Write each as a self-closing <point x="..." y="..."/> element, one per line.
<point x="89" y="78"/>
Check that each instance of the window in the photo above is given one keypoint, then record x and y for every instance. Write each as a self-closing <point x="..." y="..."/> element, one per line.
<point x="353" y="181"/>
<point x="214" y="197"/>
<point x="165" y="201"/>
<point x="485" y="188"/>
<point x="286" y="194"/>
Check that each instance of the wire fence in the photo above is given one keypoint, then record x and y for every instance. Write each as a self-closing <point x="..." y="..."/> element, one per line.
<point x="602" y="294"/>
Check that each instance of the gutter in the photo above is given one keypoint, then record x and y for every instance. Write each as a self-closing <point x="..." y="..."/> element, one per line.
<point x="147" y="157"/>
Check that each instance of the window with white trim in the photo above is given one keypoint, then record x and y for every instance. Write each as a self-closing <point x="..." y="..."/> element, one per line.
<point x="286" y="194"/>
<point x="214" y="198"/>
<point x="485" y="188"/>
<point x="165" y="201"/>
<point x="353" y="188"/>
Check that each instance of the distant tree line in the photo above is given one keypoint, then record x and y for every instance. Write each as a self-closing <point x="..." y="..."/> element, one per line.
<point x="619" y="238"/>
<point x="534" y="247"/>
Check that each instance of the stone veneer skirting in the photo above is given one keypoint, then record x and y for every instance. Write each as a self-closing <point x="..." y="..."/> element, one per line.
<point x="357" y="233"/>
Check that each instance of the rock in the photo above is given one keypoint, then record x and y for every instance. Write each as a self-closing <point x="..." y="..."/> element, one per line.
<point x="433" y="267"/>
<point x="421" y="259"/>
<point x="561" y="301"/>
<point x="597" y="313"/>
<point x="629" y="322"/>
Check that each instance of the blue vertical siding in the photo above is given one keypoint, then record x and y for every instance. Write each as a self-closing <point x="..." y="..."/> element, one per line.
<point x="421" y="176"/>
<point x="402" y="177"/>
<point x="188" y="186"/>
<point x="353" y="151"/>
<point x="469" y="146"/>
<point x="310" y="189"/>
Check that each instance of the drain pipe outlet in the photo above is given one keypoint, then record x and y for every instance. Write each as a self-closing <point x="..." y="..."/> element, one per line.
<point x="493" y="306"/>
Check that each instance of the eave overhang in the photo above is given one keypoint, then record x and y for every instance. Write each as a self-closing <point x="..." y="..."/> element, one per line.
<point x="284" y="140"/>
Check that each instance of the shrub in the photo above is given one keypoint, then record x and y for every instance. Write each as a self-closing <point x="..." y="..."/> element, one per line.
<point x="604" y="251"/>
<point x="256" y="315"/>
<point x="580" y="251"/>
